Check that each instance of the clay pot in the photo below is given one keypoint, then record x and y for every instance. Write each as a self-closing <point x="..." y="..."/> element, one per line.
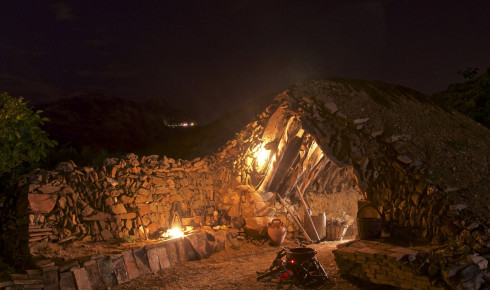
<point x="276" y="231"/>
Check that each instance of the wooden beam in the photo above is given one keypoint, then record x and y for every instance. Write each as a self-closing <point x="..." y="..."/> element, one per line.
<point x="294" y="217"/>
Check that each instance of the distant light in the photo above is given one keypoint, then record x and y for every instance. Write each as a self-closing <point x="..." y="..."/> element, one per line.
<point x="182" y="124"/>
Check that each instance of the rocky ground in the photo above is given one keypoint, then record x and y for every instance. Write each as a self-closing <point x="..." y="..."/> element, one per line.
<point x="236" y="269"/>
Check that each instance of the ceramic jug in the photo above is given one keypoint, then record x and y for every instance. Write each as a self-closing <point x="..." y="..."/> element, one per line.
<point x="277" y="231"/>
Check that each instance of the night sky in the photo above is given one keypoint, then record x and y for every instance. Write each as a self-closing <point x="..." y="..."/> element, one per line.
<point x="216" y="55"/>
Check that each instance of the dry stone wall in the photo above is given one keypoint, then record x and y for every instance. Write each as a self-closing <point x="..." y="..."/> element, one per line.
<point x="125" y="197"/>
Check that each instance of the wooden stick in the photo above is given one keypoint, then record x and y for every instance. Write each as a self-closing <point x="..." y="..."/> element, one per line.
<point x="308" y="216"/>
<point x="293" y="216"/>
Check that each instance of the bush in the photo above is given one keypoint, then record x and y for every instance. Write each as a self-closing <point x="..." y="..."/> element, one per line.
<point x="22" y="141"/>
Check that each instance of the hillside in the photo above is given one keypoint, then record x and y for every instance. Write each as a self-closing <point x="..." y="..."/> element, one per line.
<point x="113" y="124"/>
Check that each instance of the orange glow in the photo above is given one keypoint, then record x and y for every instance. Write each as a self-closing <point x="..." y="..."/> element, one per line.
<point x="262" y="156"/>
<point x="173" y="233"/>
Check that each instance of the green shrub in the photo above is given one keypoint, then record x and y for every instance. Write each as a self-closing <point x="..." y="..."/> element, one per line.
<point x="23" y="143"/>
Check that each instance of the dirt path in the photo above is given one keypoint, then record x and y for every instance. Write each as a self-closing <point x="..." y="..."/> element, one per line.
<point x="236" y="269"/>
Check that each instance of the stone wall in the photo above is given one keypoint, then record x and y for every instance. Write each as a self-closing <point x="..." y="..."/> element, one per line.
<point x="125" y="197"/>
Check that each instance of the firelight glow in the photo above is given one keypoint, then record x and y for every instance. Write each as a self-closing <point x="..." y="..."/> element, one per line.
<point x="174" y="233"/>
<point x="262" y="156"/>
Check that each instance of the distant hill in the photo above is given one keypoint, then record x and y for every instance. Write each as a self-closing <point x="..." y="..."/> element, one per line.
<point x="204" y="140"/>
<point x="471" y="98"/>
<point x="114" y="124"/>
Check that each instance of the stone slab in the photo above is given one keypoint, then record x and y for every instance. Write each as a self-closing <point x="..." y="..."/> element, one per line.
<point x="93" y="274"/>
<point x="163" y="257"/>
<point x="81" y="279"/>
<point x="67" y="281"/>
<point x="141" y="260"/>
<point x="69" y="266"/>
<point x="153" y="259"/>
<point x="172" y="253"/>
<point x="120" y="269"/>
<point x="50" y="280"/>
<point x="28" y="281"/>
<point x="107" y="272"/>
<point x="180" y="248"/>
<point x="131" y="266"/>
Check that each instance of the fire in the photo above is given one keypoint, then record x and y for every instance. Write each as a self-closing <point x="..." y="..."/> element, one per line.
<point x="173" y="233"/>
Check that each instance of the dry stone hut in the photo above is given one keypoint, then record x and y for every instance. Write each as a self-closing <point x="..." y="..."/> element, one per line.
<point x="334" y="145"/>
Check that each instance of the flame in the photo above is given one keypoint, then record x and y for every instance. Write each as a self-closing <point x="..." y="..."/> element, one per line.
<point x="173" y="233"/>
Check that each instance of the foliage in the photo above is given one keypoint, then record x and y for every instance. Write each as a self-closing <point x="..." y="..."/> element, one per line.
<point x="23" y="142"/>
<point x="126" y="239"/>
<point x="468" y="73"/>
<point x="471" y="98"/>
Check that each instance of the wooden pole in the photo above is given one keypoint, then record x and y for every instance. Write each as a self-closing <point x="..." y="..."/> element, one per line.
<point x="308" y="216"/>
<point x="294" y="217"/>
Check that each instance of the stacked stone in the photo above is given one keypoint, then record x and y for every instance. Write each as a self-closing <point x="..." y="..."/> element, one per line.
<point x="103" y="272"/>
<point x="382" y="264"/>
<point x="126" y="197"/>
<point x="388" y="175"/>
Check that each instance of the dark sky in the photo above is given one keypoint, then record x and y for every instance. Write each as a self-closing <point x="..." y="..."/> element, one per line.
<point x="218" y="54"/>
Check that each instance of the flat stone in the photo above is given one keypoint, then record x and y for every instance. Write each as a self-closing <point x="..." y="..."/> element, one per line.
<point x="67" y="281"/>
<point x="126" y="216"/>
<point x="143" y="198"/>
<point x="141" y="259"/>
<point x="93" y="274"/>
<point x="118" y="208"/>
<point x="81" y="279"/>
<point x="126" y="199"/>
<point x="172" y="254"/>
<point x="153" y="259"/>
<point x="120" y="269"/>
<point x="33" y="273"/>
<point x="107" y="272"/>
<point x="99" y="216"/>
<point x="144" y="209"/>
<point x="404" y="159"/>
<point x="28" y="281"/>
<point x="106" y="235"/>
<point x="143" y="191"/>
<point x="180" y="248"/>
<point x="163" y="257"/>
<point x="331" y="107"/>
<point x="131" y="267"/>
<point x="50" y="280"/>
<point x="69" y="266"/>
<point x="88" y="210"/>
<point x="360" y="121"/>
<point x="49" y="188"/>
<point x="42" y="203"/>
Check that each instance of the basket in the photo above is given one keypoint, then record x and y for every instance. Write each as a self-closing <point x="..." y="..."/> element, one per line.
<point x="334" y="232"/>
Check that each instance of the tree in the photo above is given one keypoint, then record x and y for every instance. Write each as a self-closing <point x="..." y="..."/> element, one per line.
<point x="469" y="73"/>
<point x="23" y="143"/>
